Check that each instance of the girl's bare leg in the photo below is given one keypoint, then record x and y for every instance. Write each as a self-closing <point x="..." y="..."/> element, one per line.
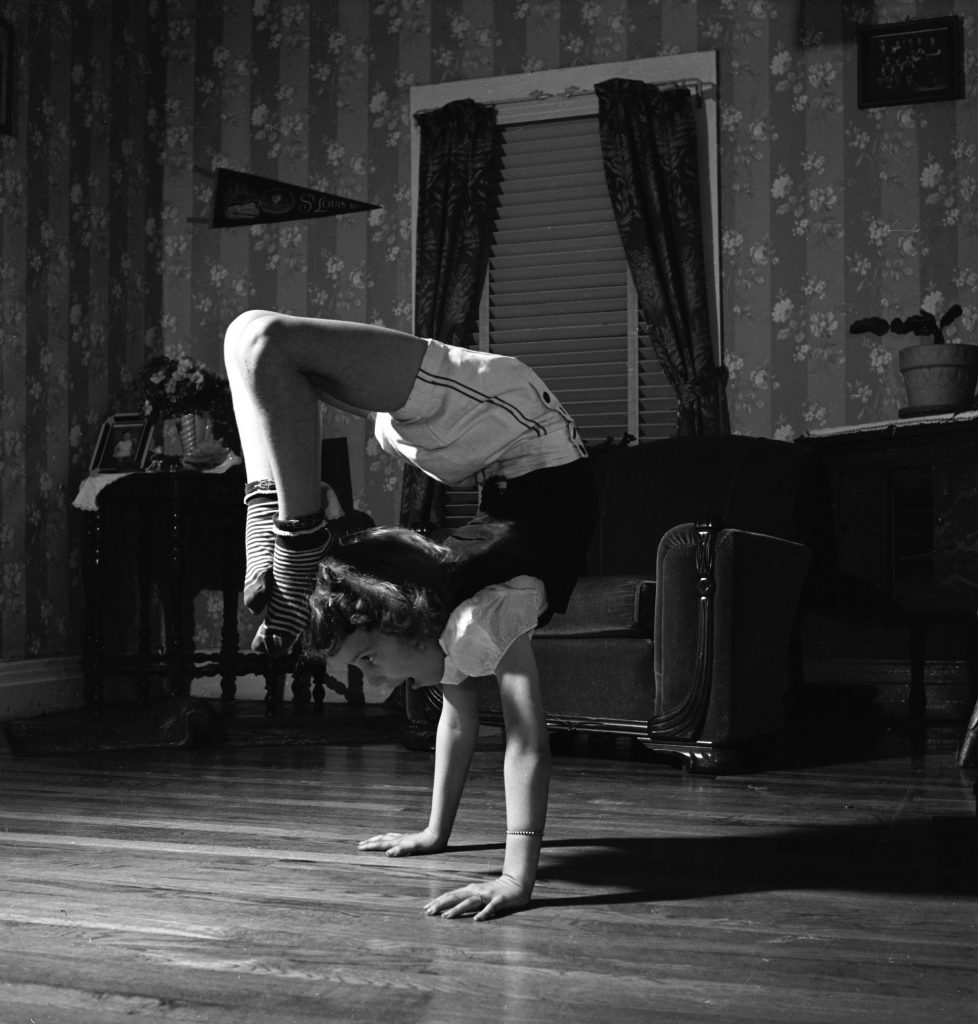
<point x="280" y="367"/>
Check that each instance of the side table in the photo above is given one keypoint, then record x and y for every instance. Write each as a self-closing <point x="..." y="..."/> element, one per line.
<point x="168" y="536"/>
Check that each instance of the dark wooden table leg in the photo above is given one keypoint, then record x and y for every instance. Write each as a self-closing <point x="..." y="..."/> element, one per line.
<point x="92" y="667"/>
<point x="917" y="694"/>
<point x="319" y="684"/>
<point x="301" y="677"/>
<point x="144" y="576"/>
<point x="176" y="654"/>
<point x="229" y="627"/>
<point x="274" y="687"/>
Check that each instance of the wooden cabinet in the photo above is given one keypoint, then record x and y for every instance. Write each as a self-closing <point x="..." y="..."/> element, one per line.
<point x="905" y="500"/>
<point x="905" y="507"/>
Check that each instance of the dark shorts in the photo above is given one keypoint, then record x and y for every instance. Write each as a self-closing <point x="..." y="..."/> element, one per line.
<point x="538" y="525"/>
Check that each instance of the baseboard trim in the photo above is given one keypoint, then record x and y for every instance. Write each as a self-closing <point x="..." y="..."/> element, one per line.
<point x="946" y="683"/>
<point x="44" y="686"/>
<point x="40" y="686"/>
<point x="885" y="671"/>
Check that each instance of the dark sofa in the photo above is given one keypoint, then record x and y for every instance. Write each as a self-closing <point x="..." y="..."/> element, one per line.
<point x="681" y="632"/>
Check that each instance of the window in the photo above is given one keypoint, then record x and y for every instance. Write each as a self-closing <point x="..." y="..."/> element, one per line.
<point x="558" y="294"/>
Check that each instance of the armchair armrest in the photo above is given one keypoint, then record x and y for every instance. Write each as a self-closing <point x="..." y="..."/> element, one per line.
<point x="606" y="606"/>
<point x="725" y="607"/>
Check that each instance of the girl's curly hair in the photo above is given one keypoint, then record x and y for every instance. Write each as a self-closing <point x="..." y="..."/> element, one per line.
<point x="390" y="579"/>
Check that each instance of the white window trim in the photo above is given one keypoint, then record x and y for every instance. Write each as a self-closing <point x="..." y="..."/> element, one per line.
<point x="569" y="92"/>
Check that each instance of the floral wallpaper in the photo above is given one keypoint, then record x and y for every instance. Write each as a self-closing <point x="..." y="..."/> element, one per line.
<point x="123" y="110"/>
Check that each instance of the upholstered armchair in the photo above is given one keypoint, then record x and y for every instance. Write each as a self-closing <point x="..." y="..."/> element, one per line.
<point x="682" y="632"/>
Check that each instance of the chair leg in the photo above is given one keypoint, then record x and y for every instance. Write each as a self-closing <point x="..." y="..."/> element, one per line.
<point x="274" y="689"/>
<point x="969" y="745"/>
<point x="794" y="697"/>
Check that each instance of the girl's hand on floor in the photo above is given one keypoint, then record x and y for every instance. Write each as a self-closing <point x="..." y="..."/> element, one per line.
<point x="403" y="844"/>
<point x="481" y="899"/>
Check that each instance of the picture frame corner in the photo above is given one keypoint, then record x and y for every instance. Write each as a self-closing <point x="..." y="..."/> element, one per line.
<point x="105" y="458"/>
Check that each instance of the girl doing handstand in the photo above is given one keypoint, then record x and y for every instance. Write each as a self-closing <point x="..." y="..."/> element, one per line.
<point x="397" y="605"/>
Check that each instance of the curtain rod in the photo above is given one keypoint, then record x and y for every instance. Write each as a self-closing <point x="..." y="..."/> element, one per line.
<point x="697" y="85"/>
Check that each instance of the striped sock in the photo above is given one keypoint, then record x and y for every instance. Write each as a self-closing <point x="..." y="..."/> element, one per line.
<point x="299" y="547"/>
<point x="261" y="501"/>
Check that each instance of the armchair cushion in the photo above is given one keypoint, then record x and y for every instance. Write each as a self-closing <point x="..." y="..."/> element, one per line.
<point x="606" y="606"/>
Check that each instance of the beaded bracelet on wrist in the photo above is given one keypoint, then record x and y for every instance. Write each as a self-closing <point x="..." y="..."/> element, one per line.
<point x="523" y="832"/>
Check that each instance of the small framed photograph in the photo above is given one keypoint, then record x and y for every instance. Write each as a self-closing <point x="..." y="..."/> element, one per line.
<point x="6" y="77"/>
<point x="911" y="62"/>
<point x="123" y="444"/>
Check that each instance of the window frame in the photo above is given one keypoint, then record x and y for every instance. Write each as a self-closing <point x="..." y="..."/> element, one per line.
<point x="569" y="92"/>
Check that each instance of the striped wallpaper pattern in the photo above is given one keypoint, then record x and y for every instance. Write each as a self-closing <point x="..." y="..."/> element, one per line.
<point x="123" y="110"/>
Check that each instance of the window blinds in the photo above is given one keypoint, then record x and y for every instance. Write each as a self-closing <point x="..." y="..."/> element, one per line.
<point x="558" y="294"/>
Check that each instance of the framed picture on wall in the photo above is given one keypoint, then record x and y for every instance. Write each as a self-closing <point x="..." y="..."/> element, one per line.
<point x="123" y="444"/>
<point x="6" y="77"/>
<point x="911" y="62"/>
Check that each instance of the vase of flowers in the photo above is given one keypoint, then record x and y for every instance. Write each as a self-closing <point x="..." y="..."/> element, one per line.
<point x="197" y="399"/>
<point x="939" y="376"/>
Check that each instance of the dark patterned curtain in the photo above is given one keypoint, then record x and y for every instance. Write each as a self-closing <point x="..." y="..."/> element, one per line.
<point x="648" y="141"/>
<point x="458" y="184"/>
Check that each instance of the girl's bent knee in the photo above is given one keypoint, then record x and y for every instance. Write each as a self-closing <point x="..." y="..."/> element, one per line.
<point x="245" y="323"/>
<point x="248" y="336"/>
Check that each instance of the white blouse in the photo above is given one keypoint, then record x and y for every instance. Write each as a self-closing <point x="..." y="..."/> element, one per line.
<point x="483" y="628"/>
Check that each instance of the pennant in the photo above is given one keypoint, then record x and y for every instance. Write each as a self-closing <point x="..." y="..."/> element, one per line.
<point x="241" y="198"/>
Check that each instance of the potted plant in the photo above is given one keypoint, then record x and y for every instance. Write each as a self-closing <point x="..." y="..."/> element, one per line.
<point x="939" y="377"/>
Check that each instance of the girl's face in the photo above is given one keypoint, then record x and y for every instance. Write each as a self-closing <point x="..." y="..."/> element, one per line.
<point x="387" y="661"/>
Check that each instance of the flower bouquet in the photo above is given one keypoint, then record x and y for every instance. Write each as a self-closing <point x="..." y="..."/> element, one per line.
<point x="174" y="387"/>
<point x="186" y="390"/>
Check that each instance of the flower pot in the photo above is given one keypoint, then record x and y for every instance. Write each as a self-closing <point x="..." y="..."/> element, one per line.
<point x="939" y="378"/>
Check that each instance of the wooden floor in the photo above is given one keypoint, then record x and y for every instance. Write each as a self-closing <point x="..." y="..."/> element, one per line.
<point x="224" y="885"/>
